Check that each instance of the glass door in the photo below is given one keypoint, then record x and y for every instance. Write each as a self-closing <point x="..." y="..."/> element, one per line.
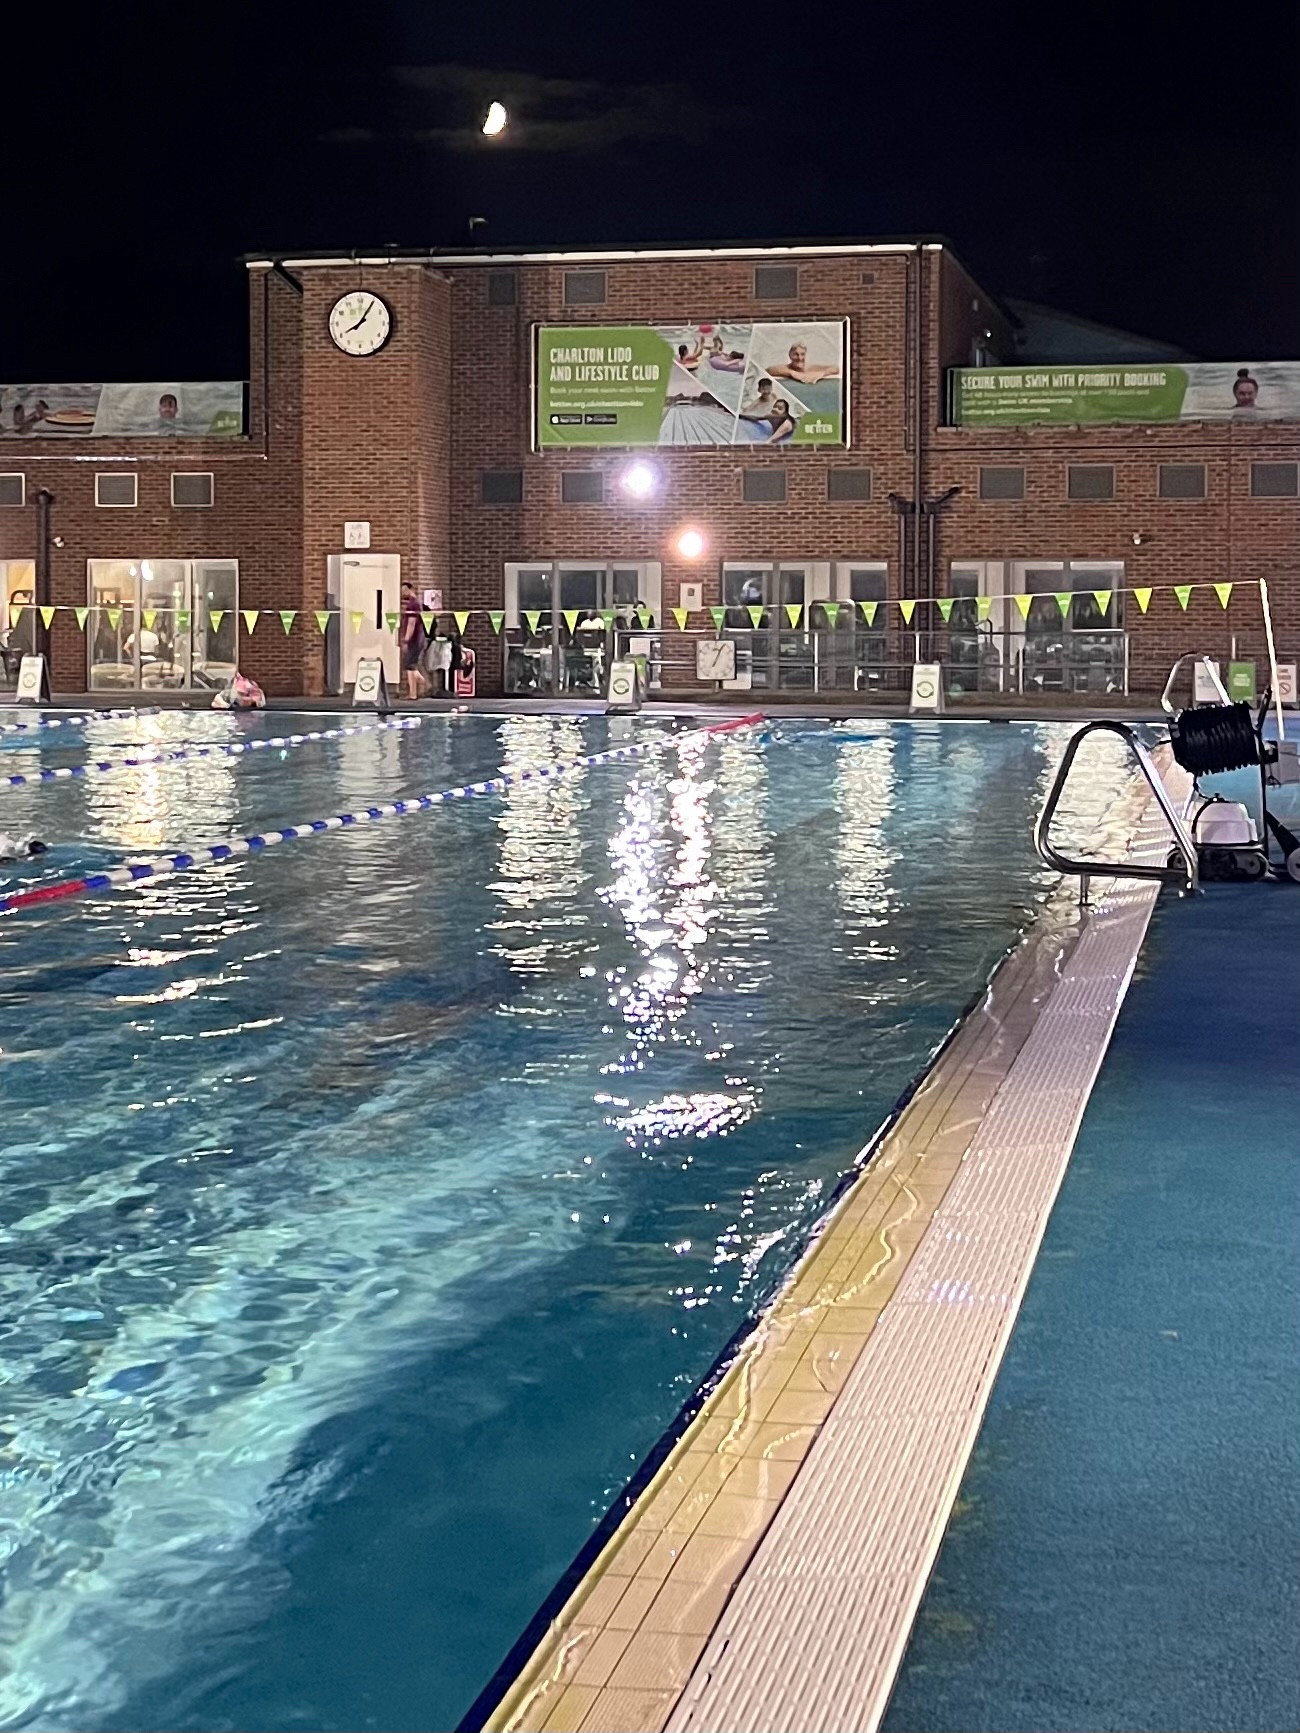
<point x="861" y="637"/>
<point x="979" y="643"/>
<point x="161" y="624"/>
<point x="214" y="645"/>
<point x="566" y="618"/>
<point x="110" y="625"/>
<point x="161" y="649"/>
<point x="777" y="658"/>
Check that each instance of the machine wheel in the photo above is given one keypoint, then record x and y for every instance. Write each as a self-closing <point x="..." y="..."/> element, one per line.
<point x="1250" y="866"/>
<point x="1293" y="864"/>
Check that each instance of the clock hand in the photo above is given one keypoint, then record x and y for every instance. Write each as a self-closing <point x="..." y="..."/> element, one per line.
<point x="361" y="321"/>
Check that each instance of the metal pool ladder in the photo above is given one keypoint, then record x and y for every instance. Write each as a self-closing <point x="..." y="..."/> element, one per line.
<point x="1187" y="875"/>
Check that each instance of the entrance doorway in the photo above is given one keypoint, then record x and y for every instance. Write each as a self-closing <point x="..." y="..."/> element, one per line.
<point x="161" y="624"/>
<point x="562" y="617"/>
<point x="365" y="587"/>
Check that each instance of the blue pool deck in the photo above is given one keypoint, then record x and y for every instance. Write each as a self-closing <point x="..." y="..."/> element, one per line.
<point x="876" y="1519"/>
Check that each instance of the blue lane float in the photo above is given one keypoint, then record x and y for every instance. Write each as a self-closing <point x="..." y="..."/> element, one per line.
<point x="213" y="854"/>
<point x="224" y="749"/>
<point x="74" y="721"/>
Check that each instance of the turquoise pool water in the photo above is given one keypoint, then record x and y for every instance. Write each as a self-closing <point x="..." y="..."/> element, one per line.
<point x="369" y="1208"/>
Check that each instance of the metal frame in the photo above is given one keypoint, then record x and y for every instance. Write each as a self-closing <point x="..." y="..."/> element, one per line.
<point x="1189" y="877"/>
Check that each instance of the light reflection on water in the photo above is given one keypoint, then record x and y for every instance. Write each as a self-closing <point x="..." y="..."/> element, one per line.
<point x="509" y="1112"/>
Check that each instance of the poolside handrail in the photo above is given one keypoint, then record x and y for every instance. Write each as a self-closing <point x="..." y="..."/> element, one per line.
<point x="1189" y="873"/>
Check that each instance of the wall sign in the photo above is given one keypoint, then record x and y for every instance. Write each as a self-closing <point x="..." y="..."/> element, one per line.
<point x="356" y="535"/>
<point x="1079" y="396"/>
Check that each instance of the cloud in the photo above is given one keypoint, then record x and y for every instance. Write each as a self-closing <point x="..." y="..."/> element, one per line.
<point x="443" y="105"/>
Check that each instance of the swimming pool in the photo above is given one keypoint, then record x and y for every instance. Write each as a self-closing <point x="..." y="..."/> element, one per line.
<point x="371" y="1207"/>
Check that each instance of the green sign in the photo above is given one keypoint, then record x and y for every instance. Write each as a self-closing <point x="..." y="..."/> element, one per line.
<point x="765" y="383"/>
<point x="1079" y="396"/>
<point x="1241" y="682"/>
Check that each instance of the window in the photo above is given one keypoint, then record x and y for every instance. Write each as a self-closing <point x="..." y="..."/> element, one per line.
<point x="848" y="484"/>
<point x="502" y="486"/>
<point x="584" y="288"/>
<point x="582" y="486"/>
<point x="1090" y="480"/>
<point x="776" y="282"/>
<point x="192" y="487"/>
<point x="763" y="486"/>
<point x="502" y="289"/>
<point x="13" y="489"/>
<point x="1182" y="481"/>
<point x="116" y="488"/>
<point x="998" y="481"/>
<point x="1274" y="480"/>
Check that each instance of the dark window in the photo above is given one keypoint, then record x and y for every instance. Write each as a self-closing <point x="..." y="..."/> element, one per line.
<point x="1182" y="481"/>
<point x="502" y="289"/>
<point x="776" y="282"/>
<point x="845" y="484"/>
<point x="13" y="489"/>
<point x="192" y="487"/>
<point x="503" y="486"/>
<point x="999" y="481"/>
<point x="763" y="486"/>
<point x="584" y="288"/>
<point x="1274" y="480"/>
<point x="582" y="486"/>
<point x="1091" y="481"/>
<point x="115" y="489"/>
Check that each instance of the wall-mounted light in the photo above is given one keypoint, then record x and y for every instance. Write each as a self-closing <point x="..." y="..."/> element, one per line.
<point x="690" y="544"/>
<point x="639" y="480"/>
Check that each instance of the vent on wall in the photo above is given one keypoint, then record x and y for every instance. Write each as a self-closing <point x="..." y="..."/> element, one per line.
<point x="848" y="484"/>
<point x="1002" y="481"/>
<point x="584" y="288"/>
<point x="1274" y="480"/>
<point x="1182" y="481"/>
<point x="582" y="486"/>
<point x="776" y="282"/>
<point x="13" y="489"/>
<point x="502" y="486"/>
<point x="763" y="486"/>
<point x="1091" y="481"/>
<point x="502" y="289"/>
<point x="116" y="487"/>
<point x="192" y="487"/>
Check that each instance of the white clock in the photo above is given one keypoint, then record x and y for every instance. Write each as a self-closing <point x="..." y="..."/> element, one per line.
<point x="360" y="323"/>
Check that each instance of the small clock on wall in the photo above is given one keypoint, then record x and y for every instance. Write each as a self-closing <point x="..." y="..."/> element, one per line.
<point x="360" y="323"/>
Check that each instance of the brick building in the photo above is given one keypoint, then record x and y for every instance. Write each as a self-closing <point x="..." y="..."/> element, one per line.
<point x="1028" y="560"/>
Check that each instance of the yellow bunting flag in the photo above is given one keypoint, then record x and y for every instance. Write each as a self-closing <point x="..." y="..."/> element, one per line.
<point x="1022" y="602"/>
<point x="183" y="618"/>
<point x="15" y="614"/>
<point x="908" y="607"/>
<point x="1063" y="600"/>
<point x="47" y="617"/>
<point x="148" y="615"/>
<point x="533" y="619"/>
<point x="832" y="613"/>
<point x="497" y="617"/>
<point x="1184" y="594"/>
<point x="1223" y="591"/>
<point x="322" y="617"/>
<point x="81" y="614"/>
<point x="1102" y="599"/>
<point x="983" y="608"/>
<point x="114" y="617"/>
<point x="355" y="618"/>
<point x="287" y="618"/>
<point x="793" y="611"/>
<point x="461" y="617"/>
<point x="646" y="617"/>
<point x="608" y="618"/>
<point x="681" y="616"/>
<point x="216" y="615"/>
<point x="571" y="619"/>
<point x="755" y="612"/>
<point x="249" y="617"/>
<point x="945" y="607"/>
<point x="719" y="618"/>
<point x="1143" y="597"/>
<point x="429" y="621"/>
<point x="869" y="611"/>
<point x="390" y="621"/>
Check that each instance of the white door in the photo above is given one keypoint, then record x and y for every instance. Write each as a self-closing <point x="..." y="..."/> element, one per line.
<point x="371" y="588"/>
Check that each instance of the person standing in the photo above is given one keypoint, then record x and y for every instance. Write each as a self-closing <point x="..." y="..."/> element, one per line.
<point x="412" y="638"/>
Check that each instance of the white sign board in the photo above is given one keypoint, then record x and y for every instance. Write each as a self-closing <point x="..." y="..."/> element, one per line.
<point x="1207" y="682"/>
<point x="33" y="681"/>
<point x="356" y="535"/>
<point x="1286" y="683"/>
<point x="691" y="597"/>
<point x="370" y="689"/>
<point x="624" y="689"/>
<point x="432" y="600"/>
<point x="927" y="687"/>
<point x="715" y="659"/>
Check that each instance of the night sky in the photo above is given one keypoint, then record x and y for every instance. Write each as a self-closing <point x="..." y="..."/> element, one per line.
<point x="1130" y="165"/>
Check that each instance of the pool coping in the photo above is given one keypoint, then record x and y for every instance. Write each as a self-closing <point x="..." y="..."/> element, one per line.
<point x="680" y="1613"/>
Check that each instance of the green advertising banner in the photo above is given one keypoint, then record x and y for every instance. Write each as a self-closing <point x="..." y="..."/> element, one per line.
<point x="1079" y="396"/>
<point x="769" y="383"/>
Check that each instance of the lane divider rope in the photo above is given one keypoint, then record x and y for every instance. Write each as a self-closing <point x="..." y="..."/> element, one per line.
<point x="74" y="721"/>
<point x="119" y="878"/>
<point x="220" y="749"/>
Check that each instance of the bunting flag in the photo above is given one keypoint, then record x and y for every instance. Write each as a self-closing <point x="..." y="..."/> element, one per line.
<point x="945" y="607"/>
<point x="869" y="611"/>
<point x="15" y="614"/>
<point x="287" y="618"/>
<point x="1022" y="602"/>
<point x="571" y="619"/>
<point x="114" y="617"/>
<point x="148" y="615"/>
<point x="81" y="614"/>
<point x="461" y="617"/>
<point x="1184" y="594"/>
<point x="249" y="616"/>
<point x="832" y="612"/>
<point x="390" y="622"/>
<point x="497" y="618"/>
<point x="793" y="611"/>
<point x="909" y="608"/>
<point x="1063" y="600"/>
<point x="47" y="617"/>
<point x="1223" y="591"/>
<point x="428" y="621"/>
<point x="608" y="617"/>
<point x="681" y="615"/>
<point x="646" y="617"/>
<point x="719" y="617"/>
<point x="755" y="612"/>
<point x="533" y="619"/>
<point x="183" y="619"/>
<point x="322" y="618"/>
<point x="1103" y="600"/>
<point x="983" y="608"/>
<point x="355" y="618"/>
<point x="1143" y="597"/>
<point x="216" y="615"/>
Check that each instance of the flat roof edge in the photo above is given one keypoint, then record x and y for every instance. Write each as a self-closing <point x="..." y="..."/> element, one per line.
<point x="593" y="255"/>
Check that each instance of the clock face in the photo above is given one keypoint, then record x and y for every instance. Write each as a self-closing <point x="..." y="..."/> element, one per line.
<point x="360" y="323"/>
